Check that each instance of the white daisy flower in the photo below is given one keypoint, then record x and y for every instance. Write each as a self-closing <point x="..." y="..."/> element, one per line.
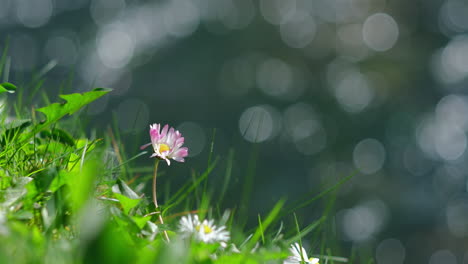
<point x="206" y="231"/>
<point x="299" y="256"/>
<point x="187" y="224"/>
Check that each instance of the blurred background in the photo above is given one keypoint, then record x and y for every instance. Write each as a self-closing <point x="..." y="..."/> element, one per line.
<point x="315" y="90"/>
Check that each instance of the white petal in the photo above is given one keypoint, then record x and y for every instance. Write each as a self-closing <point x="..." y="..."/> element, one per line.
<point x="313" y="261"/>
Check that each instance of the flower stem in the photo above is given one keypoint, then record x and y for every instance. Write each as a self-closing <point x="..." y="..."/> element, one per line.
<point x="155" y="201"/>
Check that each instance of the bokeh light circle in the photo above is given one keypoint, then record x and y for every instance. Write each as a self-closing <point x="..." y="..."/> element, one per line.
<point x="390" y="251"/>
<point x="259" y="123"/>
<point x="299" y="31"/>
<point x="304" y="128"/>
<point x="369" y="156"/>
<point x="103" y="11"/>
<point x="380" y="32"/>
<point x="443" y="256"/>
<point x="277" y="11"/>
<point x="115" y="46"/>
<point x="35" y="13"/>
<point x="457" y="217"/>
<point x="63" y="49"/>
<point x="354" y="92"/>
<point x="275" y="77"/>
<point x="362" y="222"/>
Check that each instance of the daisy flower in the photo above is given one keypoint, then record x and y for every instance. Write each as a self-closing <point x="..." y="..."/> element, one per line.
<point x="167" y="143"/>
<point x="188" y="223"/>
<point x="206" y="230"/>
<point x="299" y="256"/>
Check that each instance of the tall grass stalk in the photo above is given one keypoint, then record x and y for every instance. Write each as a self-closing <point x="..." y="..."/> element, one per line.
<point x="155" y="199"/>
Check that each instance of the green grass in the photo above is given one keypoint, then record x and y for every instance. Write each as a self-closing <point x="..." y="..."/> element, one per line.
<point x="68" y="198"/>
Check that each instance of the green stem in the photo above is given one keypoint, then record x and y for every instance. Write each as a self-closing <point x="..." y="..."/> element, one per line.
<point x="155" y="201"/>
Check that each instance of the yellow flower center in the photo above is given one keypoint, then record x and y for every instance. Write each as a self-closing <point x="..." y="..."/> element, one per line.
<point x="206" y="228"/>
<point x="163" y="147"/>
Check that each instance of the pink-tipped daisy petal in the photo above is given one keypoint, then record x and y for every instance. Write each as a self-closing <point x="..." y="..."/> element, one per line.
<point x="167" y="144"/>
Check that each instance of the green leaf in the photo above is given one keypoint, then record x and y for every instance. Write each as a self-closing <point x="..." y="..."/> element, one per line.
<point x="13" y="129"/>
<point x="7" y="88"/>
<point x="62" y="178"/>
<point x="251" y="258"/>
<point x="59" y="135"/>
<point x="44" y="178"/>
<point x="127" y="203"/>
<point x="16" y="192"/>
<point x="141" y="221"/>
<point x="75" y="102"/>
<point x="81" y="180"/>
